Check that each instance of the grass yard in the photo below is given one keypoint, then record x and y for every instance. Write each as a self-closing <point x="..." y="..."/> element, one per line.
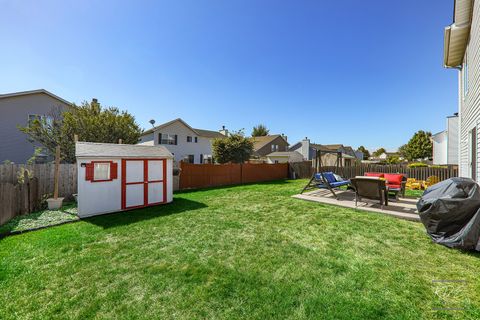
<point x="234" y="253"/>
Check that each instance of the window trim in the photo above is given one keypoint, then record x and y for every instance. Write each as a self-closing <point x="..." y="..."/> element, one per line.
<point x="172" y="137"/>
<point x="109" y="171"/>
<point x="465" y="76"/>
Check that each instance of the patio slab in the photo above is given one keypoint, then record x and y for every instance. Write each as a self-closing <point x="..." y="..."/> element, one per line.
<point x="403" y="208"/>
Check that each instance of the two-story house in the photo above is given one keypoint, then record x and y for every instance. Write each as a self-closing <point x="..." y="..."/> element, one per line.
<point x="18" y="109"/>
<point x="462" y="52"/>
<point x="184" y="142"/>
<point x="264" y="145"/>
<point x="329" y="157"/>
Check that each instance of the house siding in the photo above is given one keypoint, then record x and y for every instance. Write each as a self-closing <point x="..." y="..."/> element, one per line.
<point x="452" y="140"/>
<point x="14" y="145"/>
<point x="469" y="105"/>
<point x="183" y="148"/>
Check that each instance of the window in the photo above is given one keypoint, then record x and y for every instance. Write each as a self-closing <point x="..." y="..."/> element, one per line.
<point x="40" y="117"/>
<point x="166" y="138"/>
<point x="196" y="139"/>
<point x="190" y="158"/>
<point x="189" y="139"/>
<point x="274" y="147"/>
<point x="101" y="171"/>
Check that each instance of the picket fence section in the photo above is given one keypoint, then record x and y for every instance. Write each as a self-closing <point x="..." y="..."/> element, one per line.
<point x="18" y="199"/>
<point x="45" y="174"/>
<point x="305" y="170"/>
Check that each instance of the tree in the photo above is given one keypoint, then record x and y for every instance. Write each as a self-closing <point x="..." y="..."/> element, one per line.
<point x="260" y="130"/>
<point x="379" y="152"/>
<point x="419" y="146"/>
<point x="392" y="160"/>
<point x="89" y="121"/>
<point x="366" y="153"/>
<point x="234" y="148"/>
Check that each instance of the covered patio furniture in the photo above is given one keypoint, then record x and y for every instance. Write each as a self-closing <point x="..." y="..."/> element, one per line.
<point x="372" y="188"/>
<point x="325" y="180"/>
<point x="395" y="182"/>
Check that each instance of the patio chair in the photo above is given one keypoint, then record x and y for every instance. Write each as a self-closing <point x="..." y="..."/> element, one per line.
<point x="325" y="180"/>
<point x="370" y="188"/>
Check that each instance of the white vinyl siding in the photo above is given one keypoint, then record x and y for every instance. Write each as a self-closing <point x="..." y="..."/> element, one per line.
<point x="469" y="96"/>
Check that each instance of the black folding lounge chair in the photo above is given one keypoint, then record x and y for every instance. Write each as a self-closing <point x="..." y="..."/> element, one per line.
<point x="325" y="180"/>
<point x="370" y="188"/>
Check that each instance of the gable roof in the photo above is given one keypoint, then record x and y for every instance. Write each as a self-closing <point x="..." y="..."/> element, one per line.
<point x="283" y="153"/>
<point x="199" y="132"/>
<point x="262" y="141"/>
<point x="93" y="149"/>
<point x="209" y="134"/>
<point x="24" y="93"/>
<point x="169" y="123"/>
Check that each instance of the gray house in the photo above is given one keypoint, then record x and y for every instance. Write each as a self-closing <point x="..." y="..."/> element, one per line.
<point x="17" y="109"/>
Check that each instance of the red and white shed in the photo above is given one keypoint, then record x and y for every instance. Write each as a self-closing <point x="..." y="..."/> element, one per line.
<point x="115" y="177"/>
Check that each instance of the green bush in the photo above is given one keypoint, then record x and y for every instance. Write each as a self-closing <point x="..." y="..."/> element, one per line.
<point x="417" y="165"/>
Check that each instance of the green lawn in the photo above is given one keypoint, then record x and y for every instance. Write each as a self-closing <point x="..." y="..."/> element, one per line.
<point x="234" y="253"/>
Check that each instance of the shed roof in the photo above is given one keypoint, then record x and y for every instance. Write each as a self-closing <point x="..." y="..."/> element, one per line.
<point x="103" y="150"/>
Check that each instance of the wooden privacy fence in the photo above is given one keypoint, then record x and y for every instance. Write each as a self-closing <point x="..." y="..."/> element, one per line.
<point x="45" y="175"/>
<point x="17" y="199"/>
<point x="305" y="170"/>
<point x="211" y="175"/>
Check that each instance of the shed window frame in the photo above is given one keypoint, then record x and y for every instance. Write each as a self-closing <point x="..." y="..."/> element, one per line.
<point x="97" y="164"/>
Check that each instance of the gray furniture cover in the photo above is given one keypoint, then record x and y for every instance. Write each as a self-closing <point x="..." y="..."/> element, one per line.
<point x="449" y="210"/>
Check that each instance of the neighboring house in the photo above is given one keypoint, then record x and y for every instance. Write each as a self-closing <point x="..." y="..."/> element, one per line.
<point x="18" y="109"/>
<point x="329" y="157"/>
<point x="445" y="143"/>
<point x="462" y="52"/>
<point x="184" y="142"/>
<point x="285" y="156"/>
<point x="359" y="154"/>
<point x="264" y="145"/>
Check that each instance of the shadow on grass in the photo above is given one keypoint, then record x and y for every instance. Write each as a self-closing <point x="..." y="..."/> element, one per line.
<point x="272" y="182"/>
<point x="116" y="219"/>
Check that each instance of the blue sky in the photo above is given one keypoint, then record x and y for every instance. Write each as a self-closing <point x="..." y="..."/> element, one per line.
<point x="353" y="72"/>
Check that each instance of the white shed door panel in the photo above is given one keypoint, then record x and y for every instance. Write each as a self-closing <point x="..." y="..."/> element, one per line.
<point x="155" y="192"/>
<point x="134" y="195"/>
<point x="134" y="171"/>
<point x="155" y="170"/>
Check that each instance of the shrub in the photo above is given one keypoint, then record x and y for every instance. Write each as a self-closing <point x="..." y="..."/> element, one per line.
<point x="417" y="165"/>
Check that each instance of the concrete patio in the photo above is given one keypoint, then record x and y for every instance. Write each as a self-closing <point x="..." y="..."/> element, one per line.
<point x="402" y="208"/>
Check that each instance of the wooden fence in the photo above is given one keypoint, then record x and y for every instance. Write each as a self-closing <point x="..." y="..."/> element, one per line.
<point x="210" y="175"/>
<point x="45" y="175"/>
<point x="19" y="198"/>
<point x="305" y="170"/>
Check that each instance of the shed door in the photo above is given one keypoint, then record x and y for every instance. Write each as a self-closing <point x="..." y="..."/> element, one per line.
<point x="143" y="182"/>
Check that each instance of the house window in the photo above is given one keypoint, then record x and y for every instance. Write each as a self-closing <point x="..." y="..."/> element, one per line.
<point x="189" y="139"/>
<point x="41" y="118"/>
<point x="101" y="171"/>
<point x="274" y="147"/>
<point x="196" y="139"/>
<point x="201" y="158"/>
<point x="166" y="138"/>
<point x="191" y="158"/>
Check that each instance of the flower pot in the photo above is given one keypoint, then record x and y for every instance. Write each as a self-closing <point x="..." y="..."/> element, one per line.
<point x="54" y="204"/>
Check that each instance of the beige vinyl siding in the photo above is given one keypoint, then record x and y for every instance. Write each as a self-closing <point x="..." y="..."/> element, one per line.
<point x="469" y="104"/>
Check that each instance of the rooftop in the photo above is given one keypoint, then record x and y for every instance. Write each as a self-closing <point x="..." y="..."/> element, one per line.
<point x="94" y="149"/>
